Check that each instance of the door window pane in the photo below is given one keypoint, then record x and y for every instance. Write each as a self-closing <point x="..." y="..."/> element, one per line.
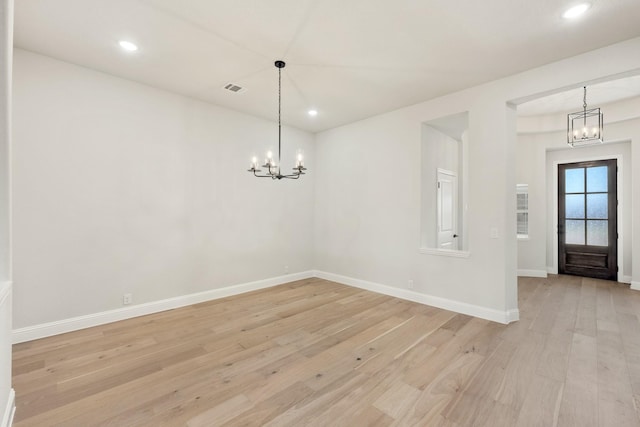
<point x="574" y="180"/>
<point x="574" y="234"/>
<point x="574" y="206"/>
<point x="597" y="206"/>
<point x="597" y="179"/>
<point x="597" y="233"/>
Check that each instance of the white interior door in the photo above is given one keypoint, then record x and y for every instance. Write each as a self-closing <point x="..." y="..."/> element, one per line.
<point x="447" y="205"/>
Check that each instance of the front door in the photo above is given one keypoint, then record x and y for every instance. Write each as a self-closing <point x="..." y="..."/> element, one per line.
<point x="587" y="213"/>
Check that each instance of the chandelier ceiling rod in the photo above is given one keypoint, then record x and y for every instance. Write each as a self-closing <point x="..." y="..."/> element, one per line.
<point x="280" y="65"/>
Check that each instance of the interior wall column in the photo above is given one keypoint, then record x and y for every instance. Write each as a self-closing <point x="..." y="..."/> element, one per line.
<point x="635" y="209"/>
<point x="7" y="395"/>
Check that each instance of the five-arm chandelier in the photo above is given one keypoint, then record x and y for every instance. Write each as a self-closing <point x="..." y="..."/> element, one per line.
<point x="584" y="127"/>
<point x="273" y="168"/>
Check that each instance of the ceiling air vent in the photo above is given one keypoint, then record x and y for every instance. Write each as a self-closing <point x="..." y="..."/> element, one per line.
<point x="234" y="88"/>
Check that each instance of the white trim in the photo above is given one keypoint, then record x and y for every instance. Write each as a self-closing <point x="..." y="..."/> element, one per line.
<point x="624" y="279"/>
<point x="620" y="221"/>
<point x="552" y="269"/>
<point x="635" y="286"/>
<point x="513" y="315"/>
<point x="81" y="322"/>
<point x="5" y="290"/>
<point x="444" y="303"/>
<point x="445" y="252"/>
<point x="10" y="410"/>
<point x="532" y="273"/>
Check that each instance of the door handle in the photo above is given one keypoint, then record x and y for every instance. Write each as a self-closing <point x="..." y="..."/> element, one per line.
<point x="455" y="235"/>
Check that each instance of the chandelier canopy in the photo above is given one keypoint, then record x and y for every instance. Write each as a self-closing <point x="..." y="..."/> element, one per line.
<point x="273" y="168"/>
<point x="585" y="127"/>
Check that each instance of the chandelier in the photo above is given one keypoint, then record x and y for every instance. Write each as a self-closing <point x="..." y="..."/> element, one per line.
<point x="584" y="127"/>
<point x="273" y="168"/>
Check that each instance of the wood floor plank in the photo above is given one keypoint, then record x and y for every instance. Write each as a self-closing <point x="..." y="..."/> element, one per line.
<point x="615" y="398"/>
<point x="630" y="332"/>
<point x="397" y="399"/>
<point x="517" y="379"/>
<point x="579" y="405"/>
<point x="267" y="409"/>
<point x="225" y="411"/>
<point x="586" y="320"/>
<point x="541" y="406"/>
<point x="446" y="386"/>
<point x="317" y="353"/>
<point x="553" y="361"/>
<point x="636" y="404"/>
<point x="546" y="317"/>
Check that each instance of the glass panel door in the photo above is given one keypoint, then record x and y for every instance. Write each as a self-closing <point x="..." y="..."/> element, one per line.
<point x="587" y="212"/>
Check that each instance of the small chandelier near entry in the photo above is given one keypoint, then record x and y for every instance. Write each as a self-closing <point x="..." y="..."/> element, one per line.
<point x="584" y="127"/>
<point x="273" y="168"/>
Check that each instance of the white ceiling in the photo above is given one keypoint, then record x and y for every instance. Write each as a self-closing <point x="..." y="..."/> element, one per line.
<point x="349" y="59"/>
<point x="571" y="100"/>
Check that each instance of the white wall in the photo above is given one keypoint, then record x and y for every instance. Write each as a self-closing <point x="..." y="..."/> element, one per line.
<point x="6" y="52"/>
<point x="370" y="228"/>
<point x="368" y="200"/>
<point x="530" y="170"/>
<point x="120" y="187"/>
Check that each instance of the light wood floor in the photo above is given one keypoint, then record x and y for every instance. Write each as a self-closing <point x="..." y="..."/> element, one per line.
<point x="318" y="353"/>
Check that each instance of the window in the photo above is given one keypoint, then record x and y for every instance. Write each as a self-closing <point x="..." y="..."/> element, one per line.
<point x="522" y="210"/>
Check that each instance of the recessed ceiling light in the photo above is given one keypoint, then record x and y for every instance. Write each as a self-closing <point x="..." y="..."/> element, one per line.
<point x="128" y="46"/>
<point x="313" y="113"/>
<point x="576" y="11"/>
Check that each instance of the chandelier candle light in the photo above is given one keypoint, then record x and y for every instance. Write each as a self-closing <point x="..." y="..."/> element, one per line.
<point x="584" y="127"/>
<point x="273" y="168"/>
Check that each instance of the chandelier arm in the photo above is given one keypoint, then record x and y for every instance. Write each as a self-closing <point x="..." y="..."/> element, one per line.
<point x="261" y="176"/>
<point x="291" y="176"/>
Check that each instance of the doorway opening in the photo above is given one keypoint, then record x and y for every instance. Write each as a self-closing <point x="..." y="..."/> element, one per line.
<point x="587" y="219"/>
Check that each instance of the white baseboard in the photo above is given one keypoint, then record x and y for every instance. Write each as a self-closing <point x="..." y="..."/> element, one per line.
<point x="552" y="270"/>
<point x="10" y="410"/>
<point x="624" y="279"/>
<point x="76" y="323"/>
<point x="513" y="315"/>
<point x="635" y="286"/>
<point x="532" y="273"/>
<point x="444" y="303"/>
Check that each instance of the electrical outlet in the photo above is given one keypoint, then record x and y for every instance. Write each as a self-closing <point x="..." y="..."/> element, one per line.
<point x="286" y="269"/>
<point x="127" y="299"/>
<point x="410" y="284"/>
<point x="494" y="233"/>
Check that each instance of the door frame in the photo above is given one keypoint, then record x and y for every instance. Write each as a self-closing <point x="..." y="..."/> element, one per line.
<point x="621" y="203"/>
